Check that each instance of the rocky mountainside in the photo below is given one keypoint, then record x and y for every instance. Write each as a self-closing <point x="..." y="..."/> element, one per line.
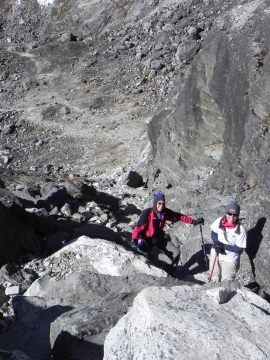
<point x="102" y="104"/>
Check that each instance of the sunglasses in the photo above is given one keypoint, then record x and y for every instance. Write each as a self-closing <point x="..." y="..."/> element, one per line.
<point x="160" y="203"/>
<point x="230" y="214"/>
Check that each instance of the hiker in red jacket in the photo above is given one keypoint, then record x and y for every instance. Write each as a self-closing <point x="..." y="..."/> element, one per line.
<point x="149" y="230"/>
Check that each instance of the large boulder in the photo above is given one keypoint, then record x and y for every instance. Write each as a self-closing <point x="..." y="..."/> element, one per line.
<point x="91" y="286"/>
<point x="83" y="330"/>
<point x="101" y="256"/>
<point x="77" y="189"/>
<point x="188" y="323"/>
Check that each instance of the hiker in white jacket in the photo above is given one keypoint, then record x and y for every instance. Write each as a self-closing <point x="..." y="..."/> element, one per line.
<point x="230" y="239"/>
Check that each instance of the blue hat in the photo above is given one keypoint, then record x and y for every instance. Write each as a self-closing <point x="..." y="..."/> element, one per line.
<point x="157" y="198"/>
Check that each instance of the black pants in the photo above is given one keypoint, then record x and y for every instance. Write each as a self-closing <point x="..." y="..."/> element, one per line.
<point x="165" y="245"/>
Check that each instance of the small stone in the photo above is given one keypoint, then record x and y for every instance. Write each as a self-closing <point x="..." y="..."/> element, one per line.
<point x="39" y="143"/>
<point x="152" y="74"/>
<point x="219" y="295"/>
<point x="103" y="218"/>
<point x="66" y="210"/>
<point x="111" y="224"/>
<point x="47" y="169"/>
<point x="12" y="290"/>
<point x="64" y="110"/>
<point x="54" y="211"/>
<point x="90" y="62"/>
<point x="78" y="217"/>
<point x="8" y="129"/>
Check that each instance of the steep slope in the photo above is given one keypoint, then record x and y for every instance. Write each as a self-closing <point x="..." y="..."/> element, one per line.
<point x="214" y="127"/>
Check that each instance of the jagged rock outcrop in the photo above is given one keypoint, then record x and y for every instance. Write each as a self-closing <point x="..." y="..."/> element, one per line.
<point x="220" y="112"/>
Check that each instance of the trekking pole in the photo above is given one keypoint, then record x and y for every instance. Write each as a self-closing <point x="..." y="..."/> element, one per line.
<point x="203" y="247"/>
<point x="213" y="267"/>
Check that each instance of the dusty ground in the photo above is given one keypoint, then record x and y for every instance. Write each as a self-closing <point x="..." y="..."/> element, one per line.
<point x="78" y="113"/>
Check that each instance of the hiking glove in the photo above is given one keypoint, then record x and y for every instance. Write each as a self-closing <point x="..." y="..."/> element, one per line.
<point x="198" y="221"/>
<point x="219" y="243"/>
<point x="219" y="248"/>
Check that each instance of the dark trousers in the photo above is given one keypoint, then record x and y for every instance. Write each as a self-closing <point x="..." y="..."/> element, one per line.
<point x="165" y="245"/>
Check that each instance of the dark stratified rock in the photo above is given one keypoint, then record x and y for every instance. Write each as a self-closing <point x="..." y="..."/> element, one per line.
<point x="16" y="234"/>
<point x="134" y="179"/>
<point x="79" y="190"/>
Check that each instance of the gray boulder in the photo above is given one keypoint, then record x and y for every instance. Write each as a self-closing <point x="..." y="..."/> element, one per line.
<point x="83" y="330"/>
<point x="79" y="190"/>
<point x="51" y="196"/>
<point x="92" y="286"/>
<point x="187" y="50"/>
<point x="112" y="259"/>
<point x="183" y="323"/>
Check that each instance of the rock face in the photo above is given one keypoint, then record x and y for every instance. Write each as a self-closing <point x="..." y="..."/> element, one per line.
<point x="214" y="127"/>
<point x="184" y="323"/>
<point x="219" y="113"/>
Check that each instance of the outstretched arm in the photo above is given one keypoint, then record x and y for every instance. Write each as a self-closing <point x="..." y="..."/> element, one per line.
<point x="175" y="216"/>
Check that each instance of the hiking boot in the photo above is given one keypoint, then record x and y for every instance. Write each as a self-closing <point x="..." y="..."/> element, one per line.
<point x="133" y="244"/>
<point x="170" y="269"/>
<point x="142" y="251"/>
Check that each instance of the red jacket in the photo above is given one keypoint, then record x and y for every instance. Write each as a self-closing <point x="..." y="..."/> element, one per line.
<point x="146" y="228"/>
